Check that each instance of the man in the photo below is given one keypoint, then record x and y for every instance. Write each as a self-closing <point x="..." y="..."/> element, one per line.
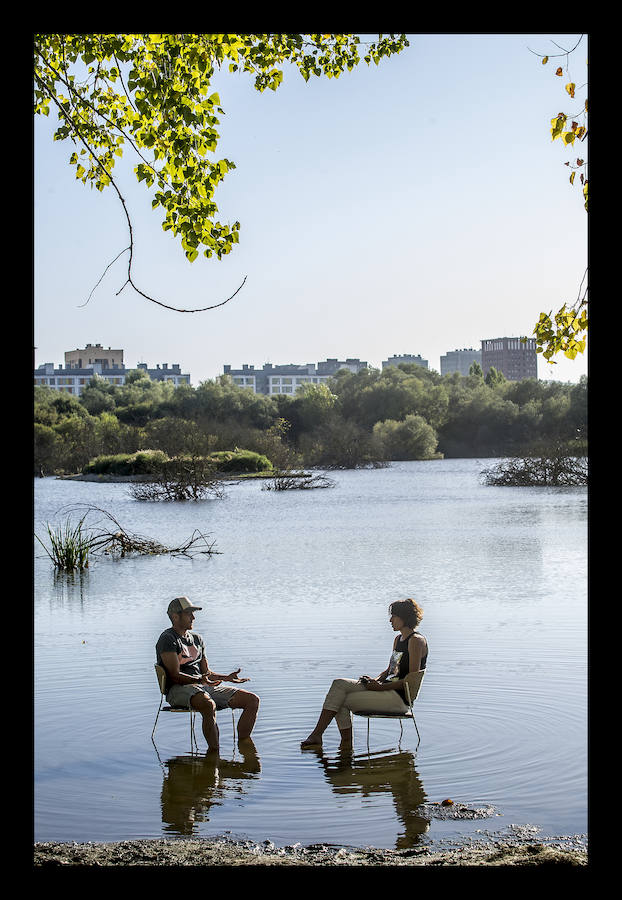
<point x="190" y="681"/>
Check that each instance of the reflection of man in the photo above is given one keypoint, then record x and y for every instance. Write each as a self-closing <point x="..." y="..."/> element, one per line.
<point x="190" y="681"/>
<point x="194" y="783"/>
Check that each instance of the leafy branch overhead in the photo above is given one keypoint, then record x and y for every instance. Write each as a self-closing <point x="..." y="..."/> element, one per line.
<point x="565" y="331"/>
<point x="152" y="92"/>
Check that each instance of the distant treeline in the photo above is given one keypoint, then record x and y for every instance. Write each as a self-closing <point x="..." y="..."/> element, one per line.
<point x="359" y="419"/>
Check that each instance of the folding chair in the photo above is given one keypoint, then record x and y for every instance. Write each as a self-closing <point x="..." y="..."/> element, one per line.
<point x="161" y="676"/>
<point x="412" y="686"/>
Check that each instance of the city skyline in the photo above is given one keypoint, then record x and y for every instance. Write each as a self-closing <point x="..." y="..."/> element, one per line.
<point x="408" y="208"/>
<point x="392" y="359"/>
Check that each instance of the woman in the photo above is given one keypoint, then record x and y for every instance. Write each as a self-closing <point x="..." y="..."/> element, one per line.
<point x="384" y="693"/>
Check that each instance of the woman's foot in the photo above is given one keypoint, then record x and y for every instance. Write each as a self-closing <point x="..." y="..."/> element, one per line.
<point x="314" y="740"/>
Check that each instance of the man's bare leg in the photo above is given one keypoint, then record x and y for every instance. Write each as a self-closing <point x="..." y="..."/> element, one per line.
<point x="206" y="706"/>
<point x="249" y="704"/>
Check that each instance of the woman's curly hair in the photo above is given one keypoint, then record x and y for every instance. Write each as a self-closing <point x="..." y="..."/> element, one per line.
<point x="409" y="611"/>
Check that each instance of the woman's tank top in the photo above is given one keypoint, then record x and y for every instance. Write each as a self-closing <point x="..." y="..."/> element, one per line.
<point x="399" y="664"/>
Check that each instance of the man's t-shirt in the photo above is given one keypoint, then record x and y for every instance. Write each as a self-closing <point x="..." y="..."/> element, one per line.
<point x="190" y="651"/>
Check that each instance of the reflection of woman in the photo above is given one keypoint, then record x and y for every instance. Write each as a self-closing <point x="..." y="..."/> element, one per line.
<point x="384" y="693"/>
<point x="379" y="776"/>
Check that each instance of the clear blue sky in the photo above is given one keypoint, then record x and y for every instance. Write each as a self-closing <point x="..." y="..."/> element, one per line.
<point x="417" y="206"/>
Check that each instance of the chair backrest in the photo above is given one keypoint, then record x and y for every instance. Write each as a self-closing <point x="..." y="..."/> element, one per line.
<point x="161" y="676"/>
<point x="413" y="685"/>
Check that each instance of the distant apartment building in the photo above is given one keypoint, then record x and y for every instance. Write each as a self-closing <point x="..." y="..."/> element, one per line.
<point x="460" y="361"/>
<point x="96" y="362"/>
<point x="73" y="380"/>
<point x="94" y="354"/>
<point x="164" y="372"/>
<point x="517" y="359"/>
<point x="287" y="378"/>
<point x="404" y="358"/>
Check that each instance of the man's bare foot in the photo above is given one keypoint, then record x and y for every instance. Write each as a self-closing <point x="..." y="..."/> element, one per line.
<point x="314" y="740"/>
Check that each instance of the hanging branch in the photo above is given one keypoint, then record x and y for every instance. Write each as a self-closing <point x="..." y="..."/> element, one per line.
<point x="67" y="117"/>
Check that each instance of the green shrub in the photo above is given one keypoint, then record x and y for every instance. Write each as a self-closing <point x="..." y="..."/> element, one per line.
<point x="240" y="461"/>
<point x="143" y="462"/>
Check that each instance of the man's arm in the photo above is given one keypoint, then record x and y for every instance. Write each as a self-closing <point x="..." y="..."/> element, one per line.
<point x="170" y="661"/>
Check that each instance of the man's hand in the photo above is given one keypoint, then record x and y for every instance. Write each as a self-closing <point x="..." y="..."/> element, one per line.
<point x="235" y="678"/>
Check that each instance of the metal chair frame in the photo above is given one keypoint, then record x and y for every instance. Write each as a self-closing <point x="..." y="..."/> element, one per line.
<point x="161" y="676"/>
<point x="412" y="686"/>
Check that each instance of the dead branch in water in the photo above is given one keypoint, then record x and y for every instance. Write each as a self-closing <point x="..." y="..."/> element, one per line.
<point x="297" y="481"/>
<point x="113" y="540"/>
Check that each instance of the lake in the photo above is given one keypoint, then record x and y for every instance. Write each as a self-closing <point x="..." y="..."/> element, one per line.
<point x="298" y="595"/>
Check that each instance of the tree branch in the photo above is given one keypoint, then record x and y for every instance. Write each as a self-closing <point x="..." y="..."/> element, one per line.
<point x="66" y="115"/>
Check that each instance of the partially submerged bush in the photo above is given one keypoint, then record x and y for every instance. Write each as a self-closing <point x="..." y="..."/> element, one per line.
<point x="297" y="481"/>
<point x="179" y="479"/>
<point x="555" y="470"/>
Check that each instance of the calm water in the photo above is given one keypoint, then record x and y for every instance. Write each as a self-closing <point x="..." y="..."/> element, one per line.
<point x="298" y="596"/>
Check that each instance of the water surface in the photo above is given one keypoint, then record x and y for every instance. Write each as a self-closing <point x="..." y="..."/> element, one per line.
<point x="297" y="596"/>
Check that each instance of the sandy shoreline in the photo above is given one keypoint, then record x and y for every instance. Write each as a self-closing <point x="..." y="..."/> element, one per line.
<point x="224" y="852"/>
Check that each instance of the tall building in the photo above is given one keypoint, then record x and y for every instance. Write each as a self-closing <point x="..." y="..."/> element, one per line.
<point x="517" y="359"/>
<point x="287" y="378"/>
<point x="460" y="361"/>
<point x="94" y="354"/>
<point x="405" y="358"/>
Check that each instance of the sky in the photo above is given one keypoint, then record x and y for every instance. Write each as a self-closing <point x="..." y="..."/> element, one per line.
<point x="414" y="207"/>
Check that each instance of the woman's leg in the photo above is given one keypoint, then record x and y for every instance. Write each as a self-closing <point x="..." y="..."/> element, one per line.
<point x="326" y="717"/>
<point x="376" y="701"/>
<point x="334" y="706"/>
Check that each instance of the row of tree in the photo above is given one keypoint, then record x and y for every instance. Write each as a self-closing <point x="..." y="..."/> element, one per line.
<point x="358" y="419"/>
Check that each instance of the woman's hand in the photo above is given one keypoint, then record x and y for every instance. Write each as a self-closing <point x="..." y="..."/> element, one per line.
<point x="372" y="684"/>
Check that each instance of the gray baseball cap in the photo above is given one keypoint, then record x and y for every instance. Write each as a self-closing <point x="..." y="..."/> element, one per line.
<point x="181" y="604"/>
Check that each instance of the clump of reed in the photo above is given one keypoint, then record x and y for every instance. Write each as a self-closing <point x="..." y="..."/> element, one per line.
<point x="70" y="546"/>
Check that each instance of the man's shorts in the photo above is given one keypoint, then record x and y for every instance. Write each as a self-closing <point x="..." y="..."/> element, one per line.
<point x="181" y="694"/>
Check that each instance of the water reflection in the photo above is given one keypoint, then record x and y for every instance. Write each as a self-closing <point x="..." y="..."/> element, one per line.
<point x="383" y="772"/>
<point x="193" y="784"/>
<point x="70" y="587"/>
